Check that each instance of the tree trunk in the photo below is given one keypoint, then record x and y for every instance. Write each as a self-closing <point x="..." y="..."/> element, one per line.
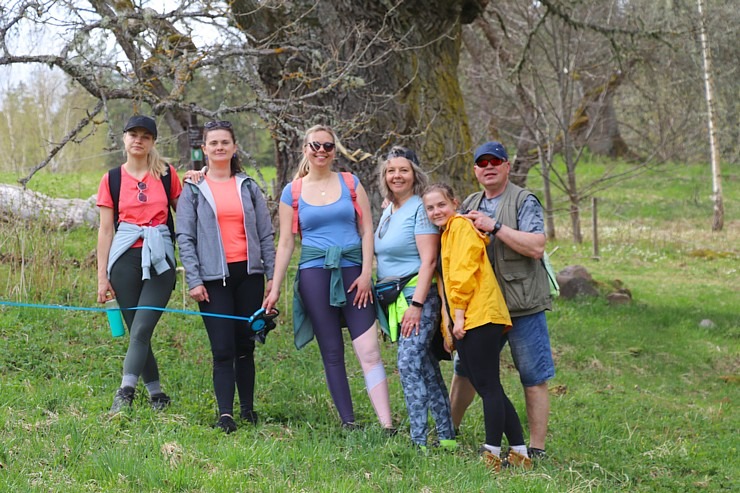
<point x="406" y="66"/>
<point x="718" y="218"/>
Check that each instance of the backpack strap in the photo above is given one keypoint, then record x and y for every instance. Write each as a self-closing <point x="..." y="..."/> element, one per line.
<point x="114" y="185"/>
<point x="295" y="188"/>
<point x="167" y="184"/>
<point x="349" y="180"/>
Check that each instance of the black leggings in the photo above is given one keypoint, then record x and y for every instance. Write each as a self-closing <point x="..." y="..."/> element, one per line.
<point x="231" y="346"/>
<point x="479" y="354"/>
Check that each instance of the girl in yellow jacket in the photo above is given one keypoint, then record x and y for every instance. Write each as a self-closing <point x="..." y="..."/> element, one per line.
<point x="479" y="321"/>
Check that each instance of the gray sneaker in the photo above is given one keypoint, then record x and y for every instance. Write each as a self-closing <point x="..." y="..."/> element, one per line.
<point x="124" y="398"/>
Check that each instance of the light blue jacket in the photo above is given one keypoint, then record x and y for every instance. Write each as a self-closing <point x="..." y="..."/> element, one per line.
<point x="199" y="236"/>
<point x="155" y="251"/>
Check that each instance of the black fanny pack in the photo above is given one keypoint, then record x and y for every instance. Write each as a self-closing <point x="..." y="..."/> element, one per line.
<point x="388" y="289"/>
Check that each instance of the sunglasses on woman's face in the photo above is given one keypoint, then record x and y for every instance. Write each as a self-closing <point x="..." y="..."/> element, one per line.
<point x="217" y="124"/>
<point x="316" y="146"/>
<point x="142" y="188"/>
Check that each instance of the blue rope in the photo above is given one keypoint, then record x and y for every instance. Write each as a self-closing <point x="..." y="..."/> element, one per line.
<point x="94" y="309"/>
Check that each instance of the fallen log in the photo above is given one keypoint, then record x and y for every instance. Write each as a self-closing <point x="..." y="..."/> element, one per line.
<point x="17" y="203"/>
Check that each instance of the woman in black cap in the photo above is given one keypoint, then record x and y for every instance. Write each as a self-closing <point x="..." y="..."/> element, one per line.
<point x="136" y="255"/>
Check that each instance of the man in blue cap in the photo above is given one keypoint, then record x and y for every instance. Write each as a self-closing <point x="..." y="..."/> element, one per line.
<point x="513" y="218"/>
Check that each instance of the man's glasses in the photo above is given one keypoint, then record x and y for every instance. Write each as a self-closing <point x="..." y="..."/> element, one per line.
<point x="485" y="163"/>
<point x="217" y="124"/>
<point x="142" y="196"/>
<point x="316" y="146"/>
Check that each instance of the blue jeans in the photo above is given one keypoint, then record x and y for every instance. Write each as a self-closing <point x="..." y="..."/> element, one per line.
<point x="530" y="350"/>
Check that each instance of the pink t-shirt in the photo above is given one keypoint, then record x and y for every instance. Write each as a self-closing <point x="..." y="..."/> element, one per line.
<point x="143" y="205"/>
<point x="230" y="214"/>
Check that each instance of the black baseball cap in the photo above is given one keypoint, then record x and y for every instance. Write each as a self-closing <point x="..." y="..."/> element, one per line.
<point x="141" y="121"/>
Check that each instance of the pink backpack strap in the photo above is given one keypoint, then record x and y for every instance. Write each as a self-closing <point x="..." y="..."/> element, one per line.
<point x="349" y="180"/>
<point x="295" y="189"/>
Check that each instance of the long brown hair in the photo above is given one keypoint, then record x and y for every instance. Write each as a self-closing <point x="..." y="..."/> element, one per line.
<point x="235" y="163"/>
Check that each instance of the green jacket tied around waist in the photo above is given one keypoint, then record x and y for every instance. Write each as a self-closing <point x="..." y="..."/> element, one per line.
<point x="302" y="328"/>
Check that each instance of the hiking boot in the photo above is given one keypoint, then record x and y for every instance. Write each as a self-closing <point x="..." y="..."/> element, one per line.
<point x="159" y="401"/>
<point x="124" y="398"/>
<point x="493" y="462"/>
<point x="515" y="459"/>
<point x="249" y="416"/>
<point x="226" y="423"/>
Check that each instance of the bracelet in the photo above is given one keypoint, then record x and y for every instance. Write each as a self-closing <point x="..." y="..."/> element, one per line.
<point x="417" y="304"/>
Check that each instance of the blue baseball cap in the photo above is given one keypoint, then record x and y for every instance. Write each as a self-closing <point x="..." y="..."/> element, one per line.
<point x="495" y="149"/>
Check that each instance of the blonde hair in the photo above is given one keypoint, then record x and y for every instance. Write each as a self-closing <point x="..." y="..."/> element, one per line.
<point x="420" y="177"/>
<point x="156" y="164"/>
<point x="442" y="188"/>
<point x="303" y="166"/>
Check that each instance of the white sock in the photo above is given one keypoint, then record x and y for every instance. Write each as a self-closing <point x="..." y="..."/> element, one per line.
<point x="520" y="449"/>
<point x="494" y="450"/>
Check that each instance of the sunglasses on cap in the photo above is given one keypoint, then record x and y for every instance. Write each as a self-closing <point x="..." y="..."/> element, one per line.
<point x="316" y="146"/>
<point x="484" y="163"/>
<point x="217" y="124"/>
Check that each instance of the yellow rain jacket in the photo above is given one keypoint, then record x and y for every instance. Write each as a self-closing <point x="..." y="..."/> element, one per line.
<point x="469" y="282"/>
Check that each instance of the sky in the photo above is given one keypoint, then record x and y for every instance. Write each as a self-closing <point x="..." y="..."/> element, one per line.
<point x="42" y="41"/>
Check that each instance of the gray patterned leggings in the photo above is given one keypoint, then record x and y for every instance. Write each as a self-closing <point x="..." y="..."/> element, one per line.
<point x="423" y="386"/>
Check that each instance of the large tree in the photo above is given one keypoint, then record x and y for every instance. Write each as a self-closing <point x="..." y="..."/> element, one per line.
<point x="381" y="72"/>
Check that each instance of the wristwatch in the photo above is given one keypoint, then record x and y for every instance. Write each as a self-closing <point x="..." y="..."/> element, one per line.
<point x="417" y="304"/>
<point x="495" y="229"/>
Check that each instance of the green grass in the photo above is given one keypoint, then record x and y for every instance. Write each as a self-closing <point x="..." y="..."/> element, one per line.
<point x="644" y="398"/>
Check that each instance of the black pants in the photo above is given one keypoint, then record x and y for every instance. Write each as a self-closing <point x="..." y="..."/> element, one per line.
<point x="231" y="346"/>
<point x="479" y="354"/>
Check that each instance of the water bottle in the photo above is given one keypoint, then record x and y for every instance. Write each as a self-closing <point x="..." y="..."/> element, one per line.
<point x="115" y="319"/>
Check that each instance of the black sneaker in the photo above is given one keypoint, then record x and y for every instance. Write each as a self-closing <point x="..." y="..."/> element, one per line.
<point x="226" y="423"/>
<point x="350" y="426"/>
<point x="249" y="416"/>
<point x="159" y="401"/>
<point x="124" y="398"/>
<point x="536" y="453"/>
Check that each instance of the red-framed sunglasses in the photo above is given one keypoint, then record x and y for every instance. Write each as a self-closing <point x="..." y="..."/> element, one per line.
<point x="484" y="163"/>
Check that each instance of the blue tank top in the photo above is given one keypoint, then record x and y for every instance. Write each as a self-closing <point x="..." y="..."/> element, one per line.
<point x="324" y="226"/>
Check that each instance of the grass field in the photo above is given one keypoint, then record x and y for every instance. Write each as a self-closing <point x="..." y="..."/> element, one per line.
<point x="645" y="398"/>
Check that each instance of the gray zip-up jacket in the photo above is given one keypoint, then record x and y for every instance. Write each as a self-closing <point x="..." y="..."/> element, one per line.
<point x="199" y="236"/>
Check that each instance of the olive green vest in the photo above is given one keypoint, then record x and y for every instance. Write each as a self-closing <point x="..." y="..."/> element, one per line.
<point x="523" y="279"/>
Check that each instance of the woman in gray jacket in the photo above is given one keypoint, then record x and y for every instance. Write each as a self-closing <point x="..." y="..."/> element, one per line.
<point x="226" y="246"/>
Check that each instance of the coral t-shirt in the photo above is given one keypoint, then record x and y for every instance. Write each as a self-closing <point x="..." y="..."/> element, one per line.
<point x="143" y="203"/>
<point x="230" y="214"/>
